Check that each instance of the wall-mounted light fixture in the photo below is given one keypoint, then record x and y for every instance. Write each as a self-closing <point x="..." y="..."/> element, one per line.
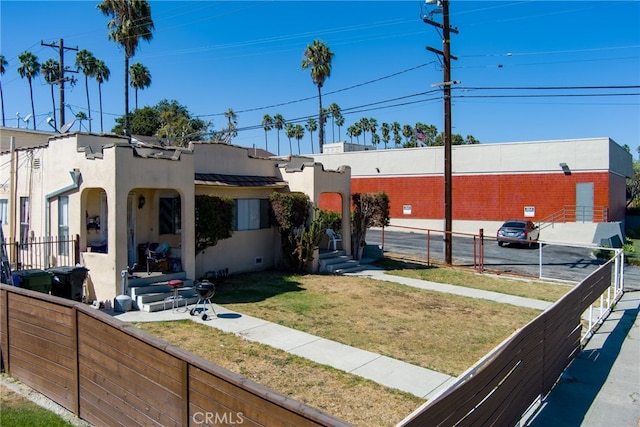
<point x="565" y="168"/>
<point x="141" y="201"/>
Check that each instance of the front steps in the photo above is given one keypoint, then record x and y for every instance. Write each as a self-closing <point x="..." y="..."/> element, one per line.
<point x="338" y="262"/>
<point x="150" y="293"/>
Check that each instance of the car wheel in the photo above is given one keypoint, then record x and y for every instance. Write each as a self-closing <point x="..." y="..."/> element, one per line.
<point x="500" y="243"/>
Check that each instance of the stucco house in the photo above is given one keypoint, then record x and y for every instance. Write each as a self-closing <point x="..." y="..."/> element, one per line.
<point x="122" y="198"/>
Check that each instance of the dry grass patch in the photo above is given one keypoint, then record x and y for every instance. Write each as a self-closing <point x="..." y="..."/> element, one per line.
<point x="349" y="397"/>
<point x="544" y="291"/>
<point x="446" y="333"/>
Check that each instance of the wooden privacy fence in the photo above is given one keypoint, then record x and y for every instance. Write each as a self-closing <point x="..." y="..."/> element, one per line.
<point x="502" y="386"/>
<point x="111" y="373"/>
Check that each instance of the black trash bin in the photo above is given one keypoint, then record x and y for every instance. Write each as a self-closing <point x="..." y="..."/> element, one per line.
<point x="33" y="279"/>
<point x="67" y="281"/>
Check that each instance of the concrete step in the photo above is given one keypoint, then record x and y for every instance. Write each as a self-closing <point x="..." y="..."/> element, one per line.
<point x="160" y="296"/>
<point x="138" y="279"/>
<point x="166" y="304"/>
<point x="331" y="254"/>
<point x="340" y="267"/>
<point x="353" y="269"/>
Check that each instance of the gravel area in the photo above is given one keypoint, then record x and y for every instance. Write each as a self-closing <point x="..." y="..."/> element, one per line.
<point x="41" y="400"/>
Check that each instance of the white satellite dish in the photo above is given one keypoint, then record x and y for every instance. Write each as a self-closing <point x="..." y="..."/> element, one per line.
<point x="26" y="119"/>
<point x="65" y="127"/>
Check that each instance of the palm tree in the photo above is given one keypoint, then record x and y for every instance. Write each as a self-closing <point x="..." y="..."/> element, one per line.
<point x="86" y="63"/>
<point x="386" y="133"/>
<point x="29" y="68"/>
<point x="278" y="123"/>
<point x="334" y="110"/>
<point x="395" y="128"/>
<point x="102" y="75"/>
<point x="375" y="139"/>
<point x="298" y="134"/>
<point x="340" y="123"/>
<point x="130" y="22"/>
<point x="51" y="72"/>
<point x="289" y="131"/>
<point x="407" y="132"/>
<point x="318" y="56"/>
<point x="81" y="116"/>
<point x="232" y="118"/>
<point x="267" y="125"/>
<point x="311" y="126"/>
<point x="364" y="125"/>
<point x="140" y="78"/>
<point x="3" y="64"/>
<point x="373" y="126"/>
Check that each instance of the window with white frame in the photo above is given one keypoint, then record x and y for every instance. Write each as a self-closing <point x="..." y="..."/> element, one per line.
<point x="4" y="211"/>
<point x="250" y="214"/>
<point x="63" y="225"/>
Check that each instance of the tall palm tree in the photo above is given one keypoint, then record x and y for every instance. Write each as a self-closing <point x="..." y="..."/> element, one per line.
<point x="375" y="139"/>
<point x="29" y="68"/>
<point x="130" y="22"/>
<point x="340" y="123"/>
<point x="102" y="75"/>
<point x="140" y="78"/>
<point x="386" y="133"/>
<point x="267" y="125"/>
<point x="232" y="118"/>
<point x="278" y="123"/>
<point x="396" y="128"/>
<point x="3" y="65"/>
<point x="51" y="72"/>
<point x="298" y="134"/>
<point x="289" y="131"/>
<point x="311" y="126"/>
<point x="81" y="116"/>
<point x="373" y="127"/>
<point x="334" y="110"/>
<point x="318" y="56"/>
<point x="86" y="62"/>
<point x="364" y="125"/>
<point x="407" y="132"/>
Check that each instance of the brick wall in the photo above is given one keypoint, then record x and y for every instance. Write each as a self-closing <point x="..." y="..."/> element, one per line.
<point x="487" y="197"/>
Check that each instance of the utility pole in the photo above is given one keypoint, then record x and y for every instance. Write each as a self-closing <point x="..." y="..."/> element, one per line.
<point x="447" y="57"/>
<point x="61" y="70"/>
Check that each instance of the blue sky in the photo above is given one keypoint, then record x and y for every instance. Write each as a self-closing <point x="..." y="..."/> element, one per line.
<point x="526" y="68"/>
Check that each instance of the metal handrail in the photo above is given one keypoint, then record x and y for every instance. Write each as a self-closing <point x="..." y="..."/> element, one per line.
<point x="575" y="213"/>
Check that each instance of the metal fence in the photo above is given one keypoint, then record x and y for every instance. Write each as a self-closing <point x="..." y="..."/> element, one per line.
<point x="43" y="252"/>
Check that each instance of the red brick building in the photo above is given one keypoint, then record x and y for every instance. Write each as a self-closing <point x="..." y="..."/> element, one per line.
<point x="577" y="180"/>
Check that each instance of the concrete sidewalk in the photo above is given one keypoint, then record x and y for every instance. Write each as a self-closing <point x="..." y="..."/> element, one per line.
<point x="601" y="387"/>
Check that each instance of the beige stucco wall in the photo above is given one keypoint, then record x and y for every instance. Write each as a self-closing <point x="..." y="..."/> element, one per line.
<point x="589" y="154"/>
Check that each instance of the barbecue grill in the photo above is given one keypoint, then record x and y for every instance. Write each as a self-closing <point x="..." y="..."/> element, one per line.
<point x="205" y="290"/>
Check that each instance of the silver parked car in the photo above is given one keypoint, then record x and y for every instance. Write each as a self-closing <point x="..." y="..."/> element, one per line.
<point x="518" y="232"/>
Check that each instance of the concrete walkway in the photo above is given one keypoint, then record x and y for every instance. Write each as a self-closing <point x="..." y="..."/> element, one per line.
<point x="601" y="387"/>
<point x="384" y="370"/>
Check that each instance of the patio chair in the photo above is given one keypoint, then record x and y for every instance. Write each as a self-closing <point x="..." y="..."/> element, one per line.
<point x="333" y="238"/>
<point x="158" y="257"/>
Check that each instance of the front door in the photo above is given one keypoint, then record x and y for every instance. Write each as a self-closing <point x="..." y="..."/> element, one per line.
<point x="584" y="202"/>
<point x="131" y="230"/>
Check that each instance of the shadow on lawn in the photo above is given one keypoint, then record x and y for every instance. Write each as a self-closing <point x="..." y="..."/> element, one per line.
<point x="255" y="287"/>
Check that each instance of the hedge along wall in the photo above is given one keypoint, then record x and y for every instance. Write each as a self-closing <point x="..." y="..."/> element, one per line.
<point x="110" y="373"/>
